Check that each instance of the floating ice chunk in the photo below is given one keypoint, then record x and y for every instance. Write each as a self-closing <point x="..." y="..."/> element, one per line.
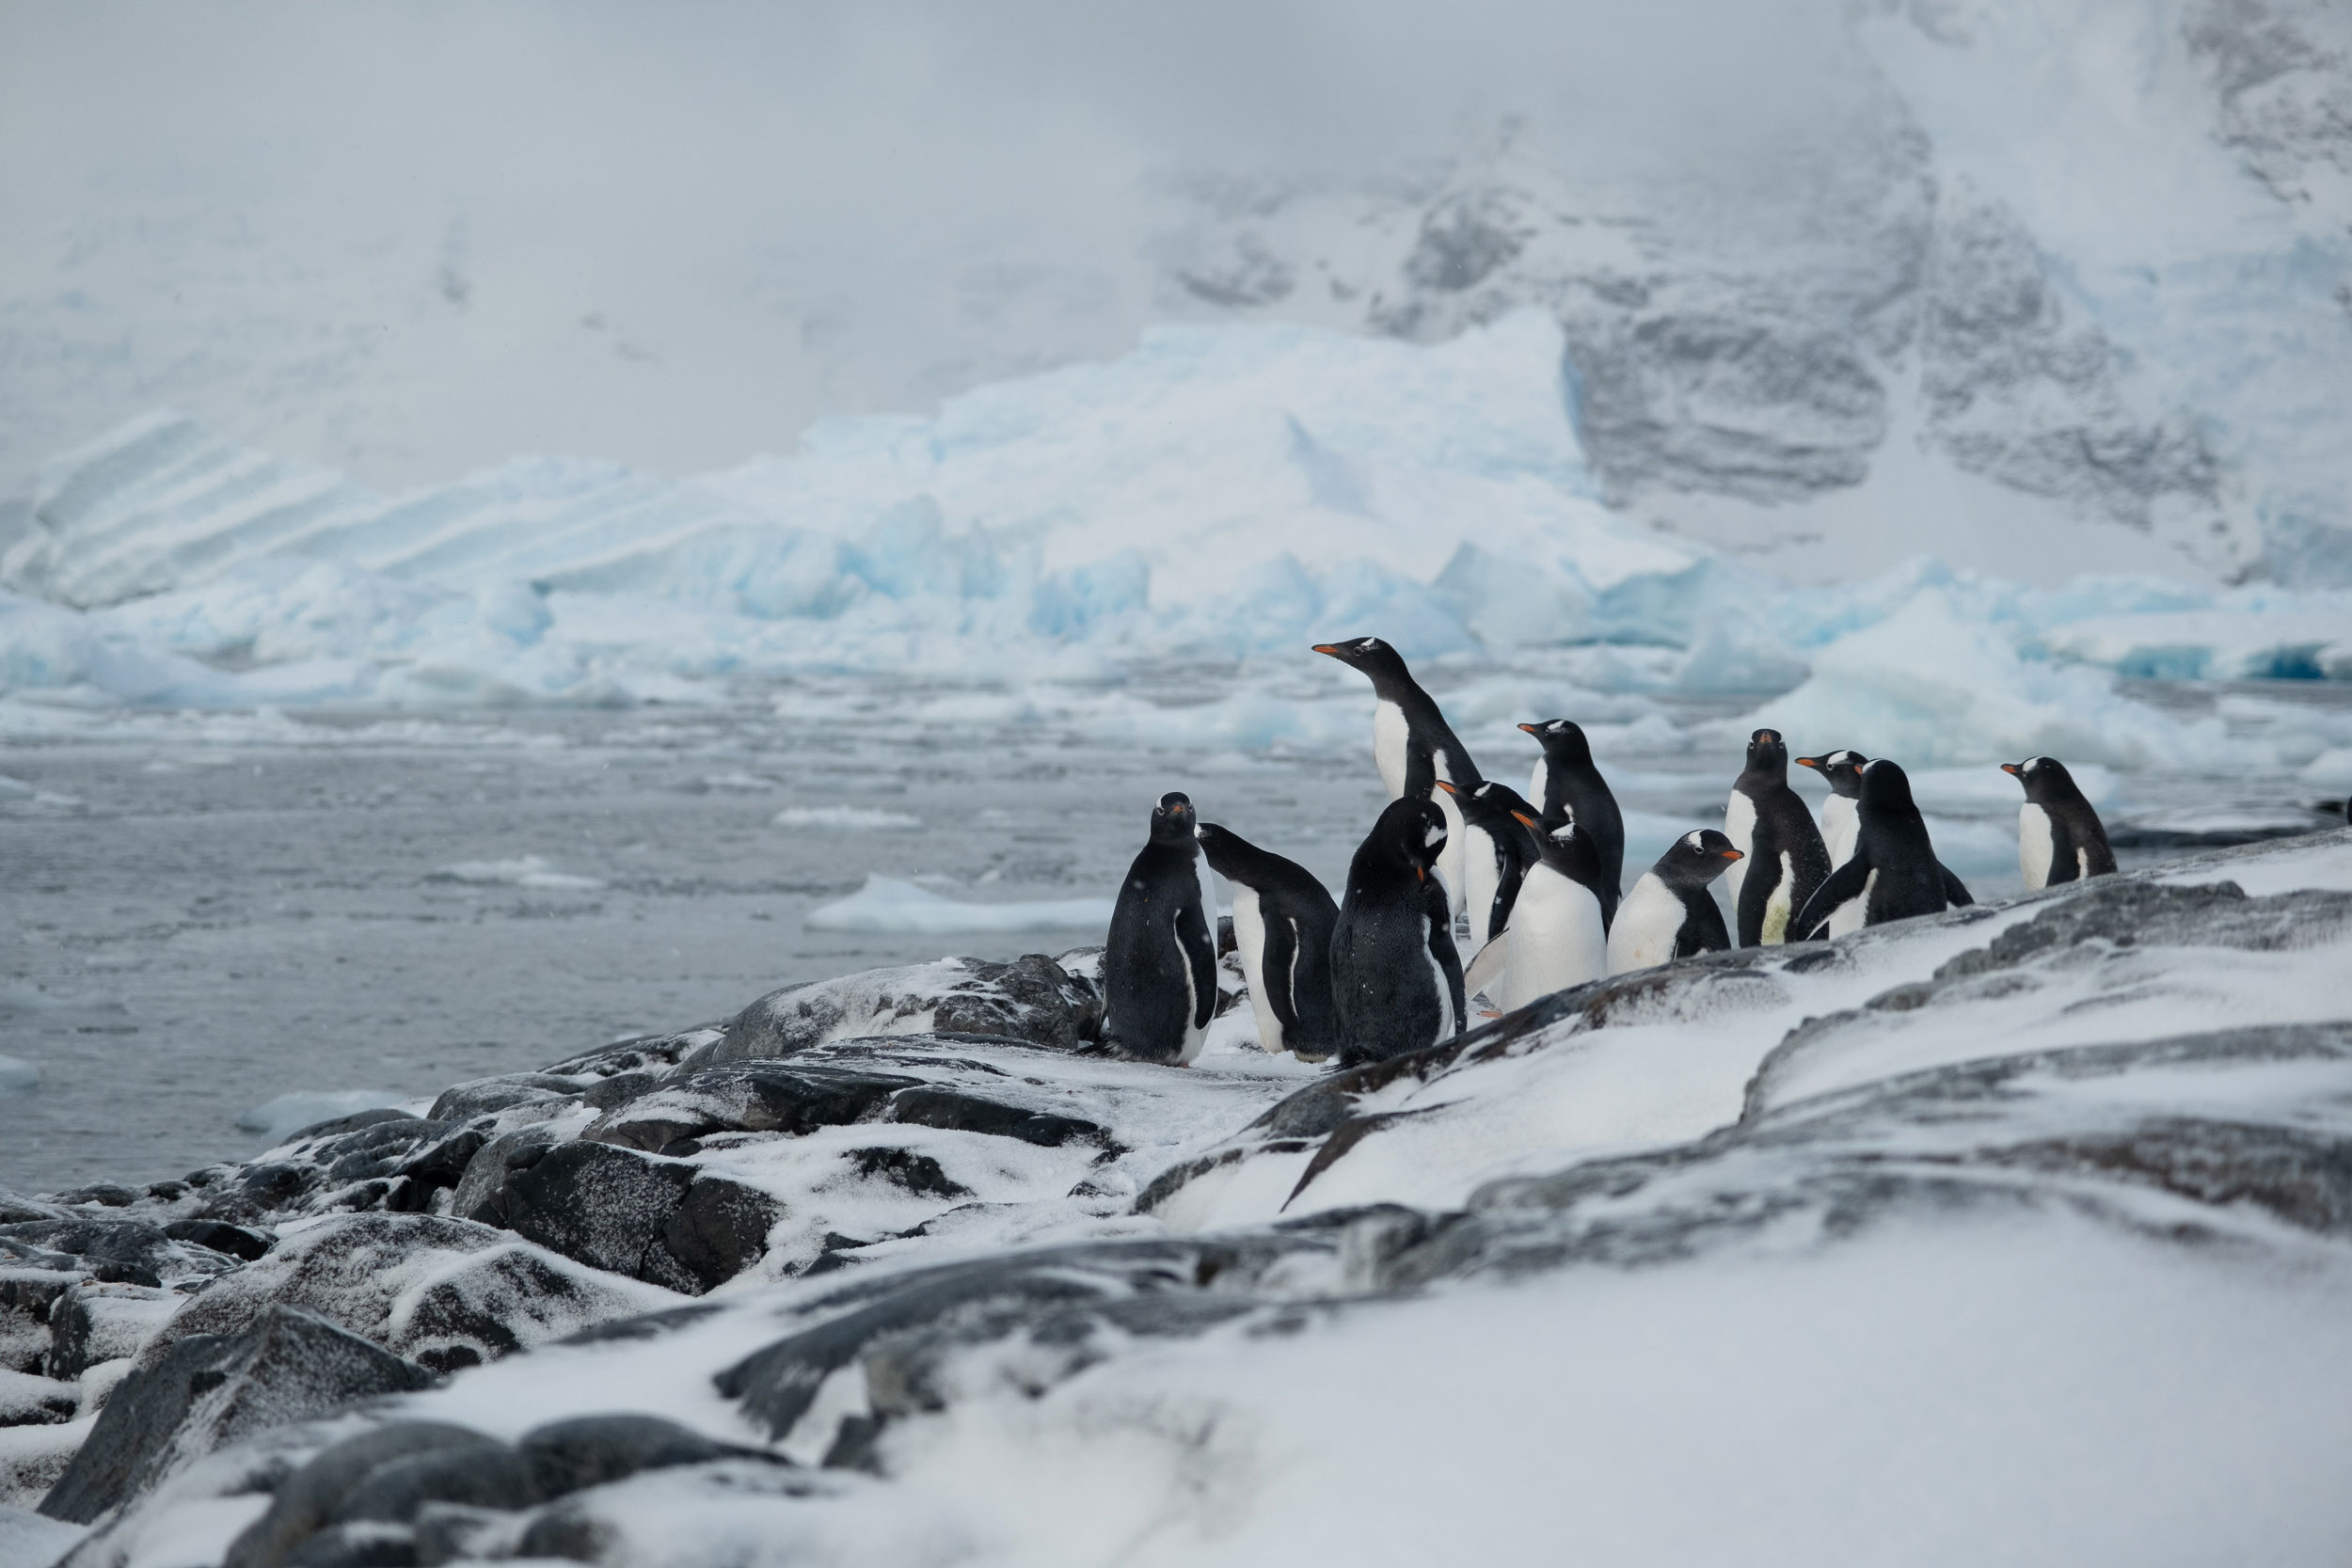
<point x="742" y="783"/>
<point x="887" y="904"/>
<point x="290" y="1113"/>
<point x="2330" y="770"/>
<point x="528" y="871"/>
<point x="847" y="819"/>
<point x="17" y="1075"/>
<point x="1930" y="685"/>
<point x="2279" y="635"/>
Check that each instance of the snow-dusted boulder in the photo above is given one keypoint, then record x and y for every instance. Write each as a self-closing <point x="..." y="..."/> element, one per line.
<point x="1031" y="999"/>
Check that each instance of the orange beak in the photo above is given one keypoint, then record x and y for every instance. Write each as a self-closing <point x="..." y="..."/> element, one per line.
<point x="1734" y="855"/>
<point x="1532" y="729"/>
<point x="1526" y="820"/>
<point x="2011" y="768"/>
<point x="1808" y="762"/>
<point x="1327" y="648"/>
<point x="1447" y="787"/>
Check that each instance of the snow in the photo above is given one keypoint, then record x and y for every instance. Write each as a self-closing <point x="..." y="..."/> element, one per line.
<point x="285" y="1113"/>
<point x="890" y="904"/>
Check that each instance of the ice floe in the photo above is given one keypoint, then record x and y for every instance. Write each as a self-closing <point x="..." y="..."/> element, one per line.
<point x="891" y="905"/>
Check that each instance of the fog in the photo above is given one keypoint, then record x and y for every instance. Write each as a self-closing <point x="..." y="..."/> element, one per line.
<point x="413" y="240"/>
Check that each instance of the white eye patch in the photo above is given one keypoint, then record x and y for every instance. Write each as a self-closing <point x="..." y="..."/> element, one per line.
<point x="1436" y="837"/>
<point x="1691" y="841"/>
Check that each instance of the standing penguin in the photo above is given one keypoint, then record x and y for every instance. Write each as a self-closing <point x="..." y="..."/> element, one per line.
<point x="1159" y="966"/>
<point x="1840" y="821"/>
<point x="1565" y="786"/>
<point x="1396" y="979"/>
<point x="1785" y="859"/>
<point x="1894" y="874"/>
<point x="1496" y="850"/>
<point x="1283" y="921"/>
<point x="1670" y="913"/>
<point x="1558" y="936"/>
<point x="1412" y="744"/>
<point x="2059" y="837"/>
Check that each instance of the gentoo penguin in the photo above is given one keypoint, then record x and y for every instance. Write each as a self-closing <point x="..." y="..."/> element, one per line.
<point x="1283" y="921"/>
<point x="1839" y="823"/>
<point x="1670" y="913"/>
<point x="1395" y="976"/>
<point x="1894" y="873"/>
<point x="1498" y="847"/>
<point x="1567" y="784"/>
<point x="2059" y="838"/>
<point x="1784" y="857"/>
<point x="1557" y="937"/>
<point x="1412" y="744"/>
<point x="1159" y="966"/>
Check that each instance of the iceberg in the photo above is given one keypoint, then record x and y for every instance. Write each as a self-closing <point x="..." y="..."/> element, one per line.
<point x="887" y="904"/>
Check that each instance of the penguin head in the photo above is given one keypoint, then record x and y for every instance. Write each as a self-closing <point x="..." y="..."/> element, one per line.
<point x="1886" y="787"/>
<point x="1370" y="654"/>
<point x="1567" y="850"/>
<point x="1563" y="738"/>
<point x="1412" y="833"/>
<point x="1768" y="756"/>
<point x="1172" y="820"/>
<point x="1842" y="768"/>
<point x="1697" y="858"/>
<point x="2044" y="778"/>
<point x="1225" y="851"/>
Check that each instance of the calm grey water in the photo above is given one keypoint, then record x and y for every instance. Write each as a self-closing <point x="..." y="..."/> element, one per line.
<point x="199" y="926"/>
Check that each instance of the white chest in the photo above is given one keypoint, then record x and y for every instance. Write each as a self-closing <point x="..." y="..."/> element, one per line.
<point x="2034" y="848"/>
<point x="1448" y="1025"/>
<point x="1556" y="937"/>
<point x="1538" y="782"/>
<point x="1841" y="827"/>
<point x="1647" y="923"/>
<point x="1450" y="869"/>
<point x="1390" y="736"/>
<point x="1739" y="827"/>
<point x="1481" y="876"/>
<point x="1777" y="908"/>
<point x="1855" y="914"/>
<point x="1196" y="1034"/>
<point x="1249" y="942"/>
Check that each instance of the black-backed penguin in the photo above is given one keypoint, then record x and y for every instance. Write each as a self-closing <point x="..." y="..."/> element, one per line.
<point x="2059" y="837"/>
<point x="1283" y="922"/>
<point x="1670" y="913"/>
<point x="1784" y="857"/>
<point x="1498" y="847"/>
<point x="1159" y="965"/>
<point x="1565" y="785"/>
<point x="1894" y="874"/>
<point x="1412" y="744"/>
<point x="1840" y="822"/>
<point x="1558" y="936"/>
<point x="1397" y="978"/>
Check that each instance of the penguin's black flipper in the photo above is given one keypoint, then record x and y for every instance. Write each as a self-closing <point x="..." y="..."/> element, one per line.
<point x="1199" y="947"/>
<point x="1281" y="958"/>
<point x="1443" y="949"/>
<point x="1956" y="892"/>
<point x="1704" y="930"/>
<point x="1846" y="882"/>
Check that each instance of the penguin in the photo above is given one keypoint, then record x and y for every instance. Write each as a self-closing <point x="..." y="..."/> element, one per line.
<point x="1566" y="784"/>
<point x="1412" y="744"/>
<point x="1843" y="770"/>
<point x="1557" y="937"/>
<point x="1159" y="965"/>
<point x="2059" y="837"/>
<point x="1783" y="857"/>
<point x="1894" y="873"/>
<point x="1670" y="913"/>
<point x="1283" y="921"/>
<point x="1396" y="979"/>
<point x="1496" y="853"/>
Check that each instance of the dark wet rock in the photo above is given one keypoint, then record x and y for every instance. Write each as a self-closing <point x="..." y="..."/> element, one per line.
<point x="591" y="1451"/>
<point x="305" y="1501"/>
<point x="1031" y="999"/>
<point x="486" y="1096"/>
<point x="619" y="1089"/>
<point x="91" y="1323"/>
<point x="650" y="1053"/>
<point x="754" y="1098"/>
<point x="232" y="1241"/>
<point x="720" y="1228"/>
<point x="488" y="1475"/>
<point x="932" y="1312"/>
<point x="363" y="1545"/>
<point x="969" y="1112"/>
<point x="906" y="1169"/>
<point x="455" y="1532"/>
<point x="107" y="1195"/>
<point x="25" y="1297"/>
<point x="119" y="1250"/>
<point x="209" y="1390"/>
<point x="481" y="1192"/>
<point x="15" y="1209"/>
<point x="644" y="1326"/>
<point x="373" y="1159"/>
<point x="605" y="1206"/>
<point x="26" y="1399"/>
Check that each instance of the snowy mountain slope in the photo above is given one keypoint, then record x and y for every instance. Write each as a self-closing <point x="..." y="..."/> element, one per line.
<point x="2019" y="1228"/>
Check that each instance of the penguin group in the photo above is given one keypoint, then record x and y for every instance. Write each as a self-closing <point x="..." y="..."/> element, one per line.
<point x="1536" y="881"/>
